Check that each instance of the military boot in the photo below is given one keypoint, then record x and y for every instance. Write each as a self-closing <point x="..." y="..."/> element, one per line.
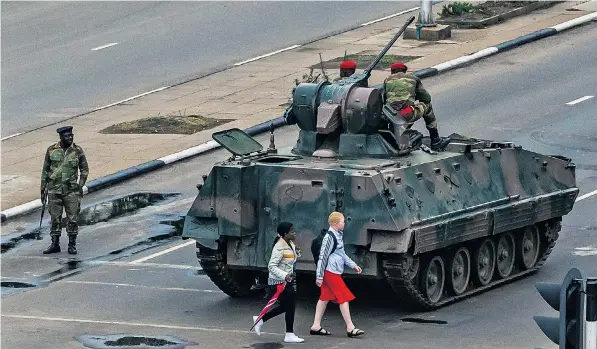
<point x="54" y="246"/>
<point x="72" y="241"/>
<point x="437" y="142"/>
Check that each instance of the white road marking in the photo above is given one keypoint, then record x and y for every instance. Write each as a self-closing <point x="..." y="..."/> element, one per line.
<point x="123" y="323"/>
<point x="586" y="251"/>
<point x="104" y="46"/>
<point x="152" y="265"/>
<point x="8" y="137"/>
<point x="141" y="286"/>
<point x="581" y="99"/>
<point x="267" y="55"/>
<point x="128" y="99"/>
<point x="582" y="197"/>
<point x="390" y="16"/>
<point x="136" y="261"/>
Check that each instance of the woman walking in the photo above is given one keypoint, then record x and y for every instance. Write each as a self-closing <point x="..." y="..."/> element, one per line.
<point x="282" y="278"/>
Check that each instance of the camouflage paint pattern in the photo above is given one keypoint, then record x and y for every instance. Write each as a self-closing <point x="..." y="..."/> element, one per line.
<point x="438" y="200"/>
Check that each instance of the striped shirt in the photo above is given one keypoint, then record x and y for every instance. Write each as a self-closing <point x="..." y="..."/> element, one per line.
<point x="333" y="262"/>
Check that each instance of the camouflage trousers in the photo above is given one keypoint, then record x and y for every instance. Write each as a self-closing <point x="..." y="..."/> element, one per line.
<point x="71" y="204"/>
<point x="426" y="112"/>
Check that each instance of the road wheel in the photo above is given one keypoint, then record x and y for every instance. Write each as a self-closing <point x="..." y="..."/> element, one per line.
<point x="460" y="270"/>
<point x="529" y="247"/>
<point x="505" y="255"/>
<point x="433" y="279"/>
<point x="484" y="262"/>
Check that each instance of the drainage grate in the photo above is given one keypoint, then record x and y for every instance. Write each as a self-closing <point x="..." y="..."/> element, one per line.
<point x="132" y="341"/>
<point x="424" y="321"/>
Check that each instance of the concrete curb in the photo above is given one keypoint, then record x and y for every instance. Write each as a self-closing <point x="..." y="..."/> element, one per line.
<point x="134" y="171"/>
<point x="131" y="172"/>
<point x="504" y="46"/>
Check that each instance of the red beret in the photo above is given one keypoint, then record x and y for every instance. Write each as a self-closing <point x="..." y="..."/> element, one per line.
<point x="398" y="66"/>
<point x="349" y="64"/>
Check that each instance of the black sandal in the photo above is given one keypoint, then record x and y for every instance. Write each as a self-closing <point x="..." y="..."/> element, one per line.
<point x="320" y="332"/>
<point x="355" y="332"/>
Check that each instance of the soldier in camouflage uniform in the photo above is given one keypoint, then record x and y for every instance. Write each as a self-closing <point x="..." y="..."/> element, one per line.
<point x="402" y="90"/>
<point x="59" y="174"/>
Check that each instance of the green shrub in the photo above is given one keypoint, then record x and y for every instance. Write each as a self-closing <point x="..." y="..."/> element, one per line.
<point x="457" y="8"/>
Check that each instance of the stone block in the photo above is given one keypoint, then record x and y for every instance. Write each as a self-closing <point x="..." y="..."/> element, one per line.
<point x="439" y="32"/>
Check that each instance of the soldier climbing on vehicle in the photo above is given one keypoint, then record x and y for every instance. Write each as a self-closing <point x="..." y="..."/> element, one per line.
<point x="402" y="91"/>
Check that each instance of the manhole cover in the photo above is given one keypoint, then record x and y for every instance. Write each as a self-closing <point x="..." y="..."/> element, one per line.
<point x="132" y="341"/>
<point x="15" y="284"/>
<point x="424" y="321"/>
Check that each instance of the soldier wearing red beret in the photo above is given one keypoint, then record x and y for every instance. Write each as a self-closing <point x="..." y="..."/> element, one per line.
<point x="402" y="90"/>
<point x="347" y="68"/>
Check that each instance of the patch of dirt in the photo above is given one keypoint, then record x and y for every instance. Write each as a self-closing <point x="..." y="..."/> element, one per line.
<point x="166" y="125"/>
<point x="363" y="61"/>
<point x="466" y="11"/>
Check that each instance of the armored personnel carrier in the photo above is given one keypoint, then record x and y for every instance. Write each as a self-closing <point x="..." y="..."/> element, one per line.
<point x="437" y="226"/>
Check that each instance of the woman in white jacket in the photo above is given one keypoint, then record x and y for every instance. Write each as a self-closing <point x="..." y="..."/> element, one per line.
<point x="281" y="270"/>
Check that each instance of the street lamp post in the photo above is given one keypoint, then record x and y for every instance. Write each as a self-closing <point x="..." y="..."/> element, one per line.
<point x="426" y="14"/>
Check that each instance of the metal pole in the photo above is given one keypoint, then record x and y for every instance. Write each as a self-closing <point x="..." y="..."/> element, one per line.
<point x="591" y="314"/>
<point x="426" y="14"/>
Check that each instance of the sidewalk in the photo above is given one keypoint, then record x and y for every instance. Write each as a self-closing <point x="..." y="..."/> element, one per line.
<point x="251" y="93"/>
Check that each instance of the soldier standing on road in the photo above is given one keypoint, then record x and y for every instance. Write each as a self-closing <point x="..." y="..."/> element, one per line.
<point x="59" y="174"/>
<point x="402" y="89"/>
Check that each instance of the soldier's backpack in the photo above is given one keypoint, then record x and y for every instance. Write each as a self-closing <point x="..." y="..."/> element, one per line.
<point x="316" y="244"/>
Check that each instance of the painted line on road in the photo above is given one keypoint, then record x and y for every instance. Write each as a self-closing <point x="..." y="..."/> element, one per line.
<point x="581" y="99"/>
<point x="582" y="197"/>
<point x="104" y="46"/>
<point x="124" y="323"/>
<point x="390" y="16"/>
<point x="586" y="251"/>
<point x="267" y="55"/>
<point x="141" y="286"/>
<point x="153" y="265"/>
<point x="151" y="256"/>
<point x="8" y="137"/>
<point x="128" y="99"/>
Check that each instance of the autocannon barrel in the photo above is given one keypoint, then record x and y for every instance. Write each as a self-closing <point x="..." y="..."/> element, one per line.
<point x="377" y="59"/>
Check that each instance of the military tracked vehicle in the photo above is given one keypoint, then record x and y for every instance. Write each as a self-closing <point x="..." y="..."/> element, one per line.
<point x="438" y="226"/>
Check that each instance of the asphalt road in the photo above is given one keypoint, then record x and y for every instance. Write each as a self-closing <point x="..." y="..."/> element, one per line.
<point x="50" y="72"/>
<point x="148" y="289"/>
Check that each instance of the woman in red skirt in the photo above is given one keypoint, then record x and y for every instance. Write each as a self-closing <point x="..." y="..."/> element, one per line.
<point x="330" y="266"/>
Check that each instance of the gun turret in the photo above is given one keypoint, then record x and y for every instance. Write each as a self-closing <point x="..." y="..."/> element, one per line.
<point x="346" y="118"/>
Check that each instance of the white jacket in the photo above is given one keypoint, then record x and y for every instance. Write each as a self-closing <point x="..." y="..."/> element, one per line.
<point x="281" y="262"/>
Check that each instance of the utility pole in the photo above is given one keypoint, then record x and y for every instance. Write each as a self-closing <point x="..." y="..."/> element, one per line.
<point x="426" y="14"/>
<point x="425" y="28"/>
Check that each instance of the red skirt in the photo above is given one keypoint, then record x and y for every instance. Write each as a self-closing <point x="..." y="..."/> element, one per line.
<point x="334" y="289"/>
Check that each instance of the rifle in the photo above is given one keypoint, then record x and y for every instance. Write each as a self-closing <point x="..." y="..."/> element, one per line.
<point x="44" y="200"/>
